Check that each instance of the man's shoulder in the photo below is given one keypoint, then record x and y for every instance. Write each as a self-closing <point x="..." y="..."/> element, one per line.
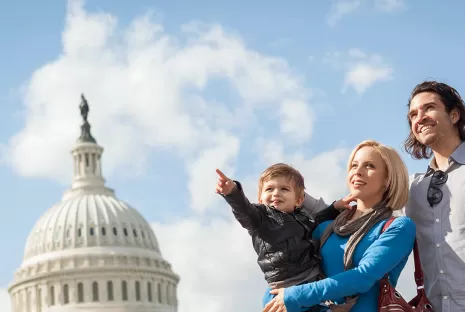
<point x="415" y="177"/>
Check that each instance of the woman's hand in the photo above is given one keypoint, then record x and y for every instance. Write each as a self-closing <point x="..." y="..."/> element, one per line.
<point x="277" y="303"/>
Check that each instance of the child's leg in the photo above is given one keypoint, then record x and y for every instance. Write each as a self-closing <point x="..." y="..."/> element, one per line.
<point x="267" y="297"/>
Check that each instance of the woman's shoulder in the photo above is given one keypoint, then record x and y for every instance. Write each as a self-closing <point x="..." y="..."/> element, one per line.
<point x="320" y="229"/>
<point x="401" y="224"/>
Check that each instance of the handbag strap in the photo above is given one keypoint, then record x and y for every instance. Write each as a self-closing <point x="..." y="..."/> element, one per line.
<point x="419" y="279"/>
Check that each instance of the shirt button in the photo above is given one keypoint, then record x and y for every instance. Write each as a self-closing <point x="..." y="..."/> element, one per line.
<point x="441" y="271"/>
<point x="437" y="245"/>
<point x="445" y="297"/>
<point x="437" y="220"/>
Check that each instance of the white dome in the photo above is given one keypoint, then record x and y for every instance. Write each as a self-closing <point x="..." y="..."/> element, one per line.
<point x="92" y="251"/>
<point x="89" y="220"/>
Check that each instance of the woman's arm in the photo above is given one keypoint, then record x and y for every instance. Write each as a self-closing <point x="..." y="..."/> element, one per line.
<point x="381" y="257"/>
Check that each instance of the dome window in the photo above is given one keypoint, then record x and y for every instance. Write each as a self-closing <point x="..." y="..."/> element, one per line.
<point x="149" y="291"/>
<point x="110" y="290"/>
<point x="124" y="290"/>
<point x="104" y="231"/>
<point x="135" y="232"/>
<point x="91" y="231"/>
<point x="65" y="294"/>
<point x="159" y="293"/>
<point x="52" y="295"/>
<point x="125" y="232"/>
<point x="80" y="292"/>
<point x="142" y="234"/>
<point x="95" y="291"/>
<point x="79" y="232"/>
<point x="115" y="231"/>
<point x="137" y="291"/>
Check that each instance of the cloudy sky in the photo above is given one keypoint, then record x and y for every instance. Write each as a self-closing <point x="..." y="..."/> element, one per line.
<point x="178" y="89"/>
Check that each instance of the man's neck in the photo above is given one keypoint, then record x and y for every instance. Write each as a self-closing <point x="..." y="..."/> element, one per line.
<point x="444" y="150"/>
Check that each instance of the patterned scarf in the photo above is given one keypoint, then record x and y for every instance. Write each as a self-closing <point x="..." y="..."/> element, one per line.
<point x="356" y="229"/>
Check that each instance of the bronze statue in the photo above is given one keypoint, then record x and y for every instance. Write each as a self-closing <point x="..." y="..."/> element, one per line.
<point x="86" y="136"/>
<point x="84" y="107"/>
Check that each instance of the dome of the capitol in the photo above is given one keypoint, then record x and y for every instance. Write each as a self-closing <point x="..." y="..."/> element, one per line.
<point x="92" y="251"/>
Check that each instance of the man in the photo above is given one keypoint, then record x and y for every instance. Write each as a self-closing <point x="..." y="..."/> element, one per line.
<point x="437" y="197"/>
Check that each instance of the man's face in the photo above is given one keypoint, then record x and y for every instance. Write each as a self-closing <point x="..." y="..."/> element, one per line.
<point x="430" y="122"/>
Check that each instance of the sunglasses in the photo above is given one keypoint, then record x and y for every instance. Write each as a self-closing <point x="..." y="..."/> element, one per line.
<point x="435" y="194"/>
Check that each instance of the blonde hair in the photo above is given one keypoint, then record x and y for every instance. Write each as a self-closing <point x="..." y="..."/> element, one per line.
<point x="283" y="170"/>
<point x="397" y="188"/>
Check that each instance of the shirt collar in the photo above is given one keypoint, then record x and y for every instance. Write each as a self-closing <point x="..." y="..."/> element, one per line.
<point x="457" y="156"/>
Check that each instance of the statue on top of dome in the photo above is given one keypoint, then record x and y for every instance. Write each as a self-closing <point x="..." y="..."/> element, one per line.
<point x="84" y="107"/>
<point x="86" y="136"/>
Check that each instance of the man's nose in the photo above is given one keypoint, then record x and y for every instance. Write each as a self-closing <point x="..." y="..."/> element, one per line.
<point x="421" y="117"/>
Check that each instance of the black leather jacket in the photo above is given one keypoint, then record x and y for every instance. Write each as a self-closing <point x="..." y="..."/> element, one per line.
<point x="282" y="241"/>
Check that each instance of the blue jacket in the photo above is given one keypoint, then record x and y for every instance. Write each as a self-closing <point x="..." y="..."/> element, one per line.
<point x="375" y="256"/>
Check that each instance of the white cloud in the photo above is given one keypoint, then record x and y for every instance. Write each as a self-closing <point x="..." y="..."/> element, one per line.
<point x="364" y="75"/>
<point x="341" y="8"/>
<point x="202" y="171"/>
<point x="389" y="5"/>
<point x="145" y="89"/>
<point x="217" y="264"/>
<point x="362" y="70"/>
<point x="5" y="304"/>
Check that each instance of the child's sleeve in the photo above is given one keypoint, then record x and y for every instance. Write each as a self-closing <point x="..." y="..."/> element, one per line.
<point x="380" y="258"/>
<point x="249" y="215"/>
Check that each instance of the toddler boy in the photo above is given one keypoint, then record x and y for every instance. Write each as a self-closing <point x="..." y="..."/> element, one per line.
<point x="281" y="232"/>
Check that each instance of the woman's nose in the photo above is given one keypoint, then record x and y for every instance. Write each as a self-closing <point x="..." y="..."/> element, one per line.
<point x="359" y="171"/>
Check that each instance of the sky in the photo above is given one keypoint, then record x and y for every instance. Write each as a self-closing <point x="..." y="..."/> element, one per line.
<point x="179" y="88"/>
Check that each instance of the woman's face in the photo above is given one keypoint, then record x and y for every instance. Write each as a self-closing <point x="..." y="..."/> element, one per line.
<point x="367" y="175"/>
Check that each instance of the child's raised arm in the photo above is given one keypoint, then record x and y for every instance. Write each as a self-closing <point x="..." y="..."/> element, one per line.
<point x="249" y="215"/>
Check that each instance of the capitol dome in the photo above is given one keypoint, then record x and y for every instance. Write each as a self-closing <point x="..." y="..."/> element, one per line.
<point x="92" y="251"/>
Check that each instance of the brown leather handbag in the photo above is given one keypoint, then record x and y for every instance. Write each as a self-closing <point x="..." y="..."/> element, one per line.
<point x="391" y="300"/>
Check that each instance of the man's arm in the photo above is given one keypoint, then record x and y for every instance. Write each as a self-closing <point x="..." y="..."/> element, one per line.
<point x="312" y="206"/>
<point x="248" y="215"/>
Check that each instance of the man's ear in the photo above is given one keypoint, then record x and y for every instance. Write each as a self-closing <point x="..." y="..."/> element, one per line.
<point x="299" y="201"/>
<point x="454" y="116"/>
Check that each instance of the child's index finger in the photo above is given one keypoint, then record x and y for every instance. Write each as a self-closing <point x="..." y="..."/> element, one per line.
<point x="221" y="174"/>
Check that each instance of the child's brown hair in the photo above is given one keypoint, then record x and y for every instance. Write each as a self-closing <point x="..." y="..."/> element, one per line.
<point x="283" y="170"/>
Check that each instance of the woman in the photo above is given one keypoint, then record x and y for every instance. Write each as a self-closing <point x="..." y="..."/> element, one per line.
<point x="355" y="255"/>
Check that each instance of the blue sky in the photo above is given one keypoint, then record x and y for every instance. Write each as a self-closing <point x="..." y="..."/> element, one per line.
<point x="242" y="85"/>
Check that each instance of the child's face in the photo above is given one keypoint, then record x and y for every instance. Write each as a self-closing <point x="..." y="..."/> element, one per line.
<point x="280" y="193"/>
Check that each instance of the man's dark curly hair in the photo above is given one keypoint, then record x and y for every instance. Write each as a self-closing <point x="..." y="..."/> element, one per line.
<point x="451" y="99"/>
